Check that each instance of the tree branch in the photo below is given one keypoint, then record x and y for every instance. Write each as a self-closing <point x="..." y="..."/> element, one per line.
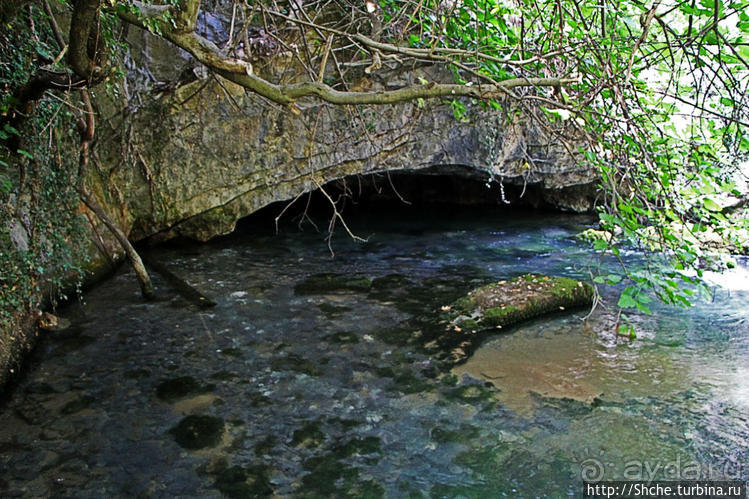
<point x="82" y="23"/>
<point x="240" y="72"/>
<point x="86" y="128"/>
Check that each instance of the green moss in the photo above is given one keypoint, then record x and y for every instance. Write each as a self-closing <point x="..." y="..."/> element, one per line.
<point x="232" y="352"/>
<point x="469" y="325"/>
<point x="223" y="376"/>
<point x="358" y="446"/>
<point x="464" y="304"/>
<point x="526" y="296"/>
<point x="329" y="476"/>
<point x="463" y="434"/>
<point x="470" y="393"/>
<point x="385" y="372"/>
<point x="325" y="475"/>
<point x="343" y="337"/>
<point x="572" y="291"/>
<point x="397" y="335"/>
<point x="346" y="424"/>
<point x="408" y="382"/>
<point x="265" y="446"/>
<point x="499" y="316"/>
<point x="309" y="435"/>
<point x="257" y="399"/>
<point x="198" y="432"/>
<point x="390" y="282"/>
<point x="177" y="388"/>
<point x="238" y="482"/>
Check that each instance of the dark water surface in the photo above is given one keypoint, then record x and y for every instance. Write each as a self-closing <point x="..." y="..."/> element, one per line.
<point x="311" y="376"/>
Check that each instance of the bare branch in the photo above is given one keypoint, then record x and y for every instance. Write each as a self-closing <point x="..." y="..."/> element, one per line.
<point x="240" y="72"/>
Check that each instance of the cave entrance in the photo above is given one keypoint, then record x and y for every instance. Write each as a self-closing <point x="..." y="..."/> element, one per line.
<point x="432" y="191"/>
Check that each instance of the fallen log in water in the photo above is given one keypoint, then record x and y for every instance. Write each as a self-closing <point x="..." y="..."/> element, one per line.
<point x="180" y="285"/>
<point x="504" y="303"/>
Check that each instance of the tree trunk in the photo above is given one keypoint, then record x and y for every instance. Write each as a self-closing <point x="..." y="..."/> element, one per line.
<point x="86" y="127"/>
<point x="144" y="279"/>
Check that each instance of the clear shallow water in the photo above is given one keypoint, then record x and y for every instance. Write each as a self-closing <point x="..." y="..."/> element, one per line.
<point x="318" y="391"/>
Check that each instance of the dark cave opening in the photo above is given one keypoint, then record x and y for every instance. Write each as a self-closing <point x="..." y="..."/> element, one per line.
<point x="410" y="193"/>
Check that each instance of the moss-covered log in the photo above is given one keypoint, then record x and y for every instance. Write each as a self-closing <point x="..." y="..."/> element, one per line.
<point x="507" y="302"/>
<point x="504" y="303"/>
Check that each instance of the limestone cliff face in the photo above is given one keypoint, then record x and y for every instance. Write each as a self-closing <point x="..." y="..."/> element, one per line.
<point x="193" y="160"/>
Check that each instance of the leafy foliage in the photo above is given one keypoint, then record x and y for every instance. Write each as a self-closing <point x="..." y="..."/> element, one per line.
<point x="40" y="227"/>
<point x="661" y="107"/>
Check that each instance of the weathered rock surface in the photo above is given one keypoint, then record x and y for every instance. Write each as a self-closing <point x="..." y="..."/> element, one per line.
<point x="202" y="155"/>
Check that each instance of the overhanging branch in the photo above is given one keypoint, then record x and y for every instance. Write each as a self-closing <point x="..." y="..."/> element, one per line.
<point x="240" y="72"/>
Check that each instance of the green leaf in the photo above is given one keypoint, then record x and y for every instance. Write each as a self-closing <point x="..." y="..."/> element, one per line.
<point x="711" y="205"/>
<point x="614" y="278"/>
<point x="626" y="300"/>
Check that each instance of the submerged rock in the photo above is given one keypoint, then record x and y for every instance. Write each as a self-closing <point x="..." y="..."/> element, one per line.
<point x="333" y="283"/>
<point x="238" y="482"/>
<point x="51" y="322"/>
<point x="198" y="432"/>
<point x="174" y="389"/>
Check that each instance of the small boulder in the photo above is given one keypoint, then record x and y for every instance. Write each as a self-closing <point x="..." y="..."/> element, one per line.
<point x="198" y="432"/>
<point x="50" y="322"/>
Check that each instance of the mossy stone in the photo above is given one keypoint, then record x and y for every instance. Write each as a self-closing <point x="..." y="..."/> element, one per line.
<point x="176" y="388"/>
<point x="309" y="435"/>
<point x="526" y="296"/>
<point x="198" y="432"/>
<point x="331" y="311"/>
<point x="238" y="482"/>
<point x="500" y="316"/>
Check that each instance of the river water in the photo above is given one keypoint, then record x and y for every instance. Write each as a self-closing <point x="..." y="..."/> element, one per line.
<point x="313" y="375"/>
